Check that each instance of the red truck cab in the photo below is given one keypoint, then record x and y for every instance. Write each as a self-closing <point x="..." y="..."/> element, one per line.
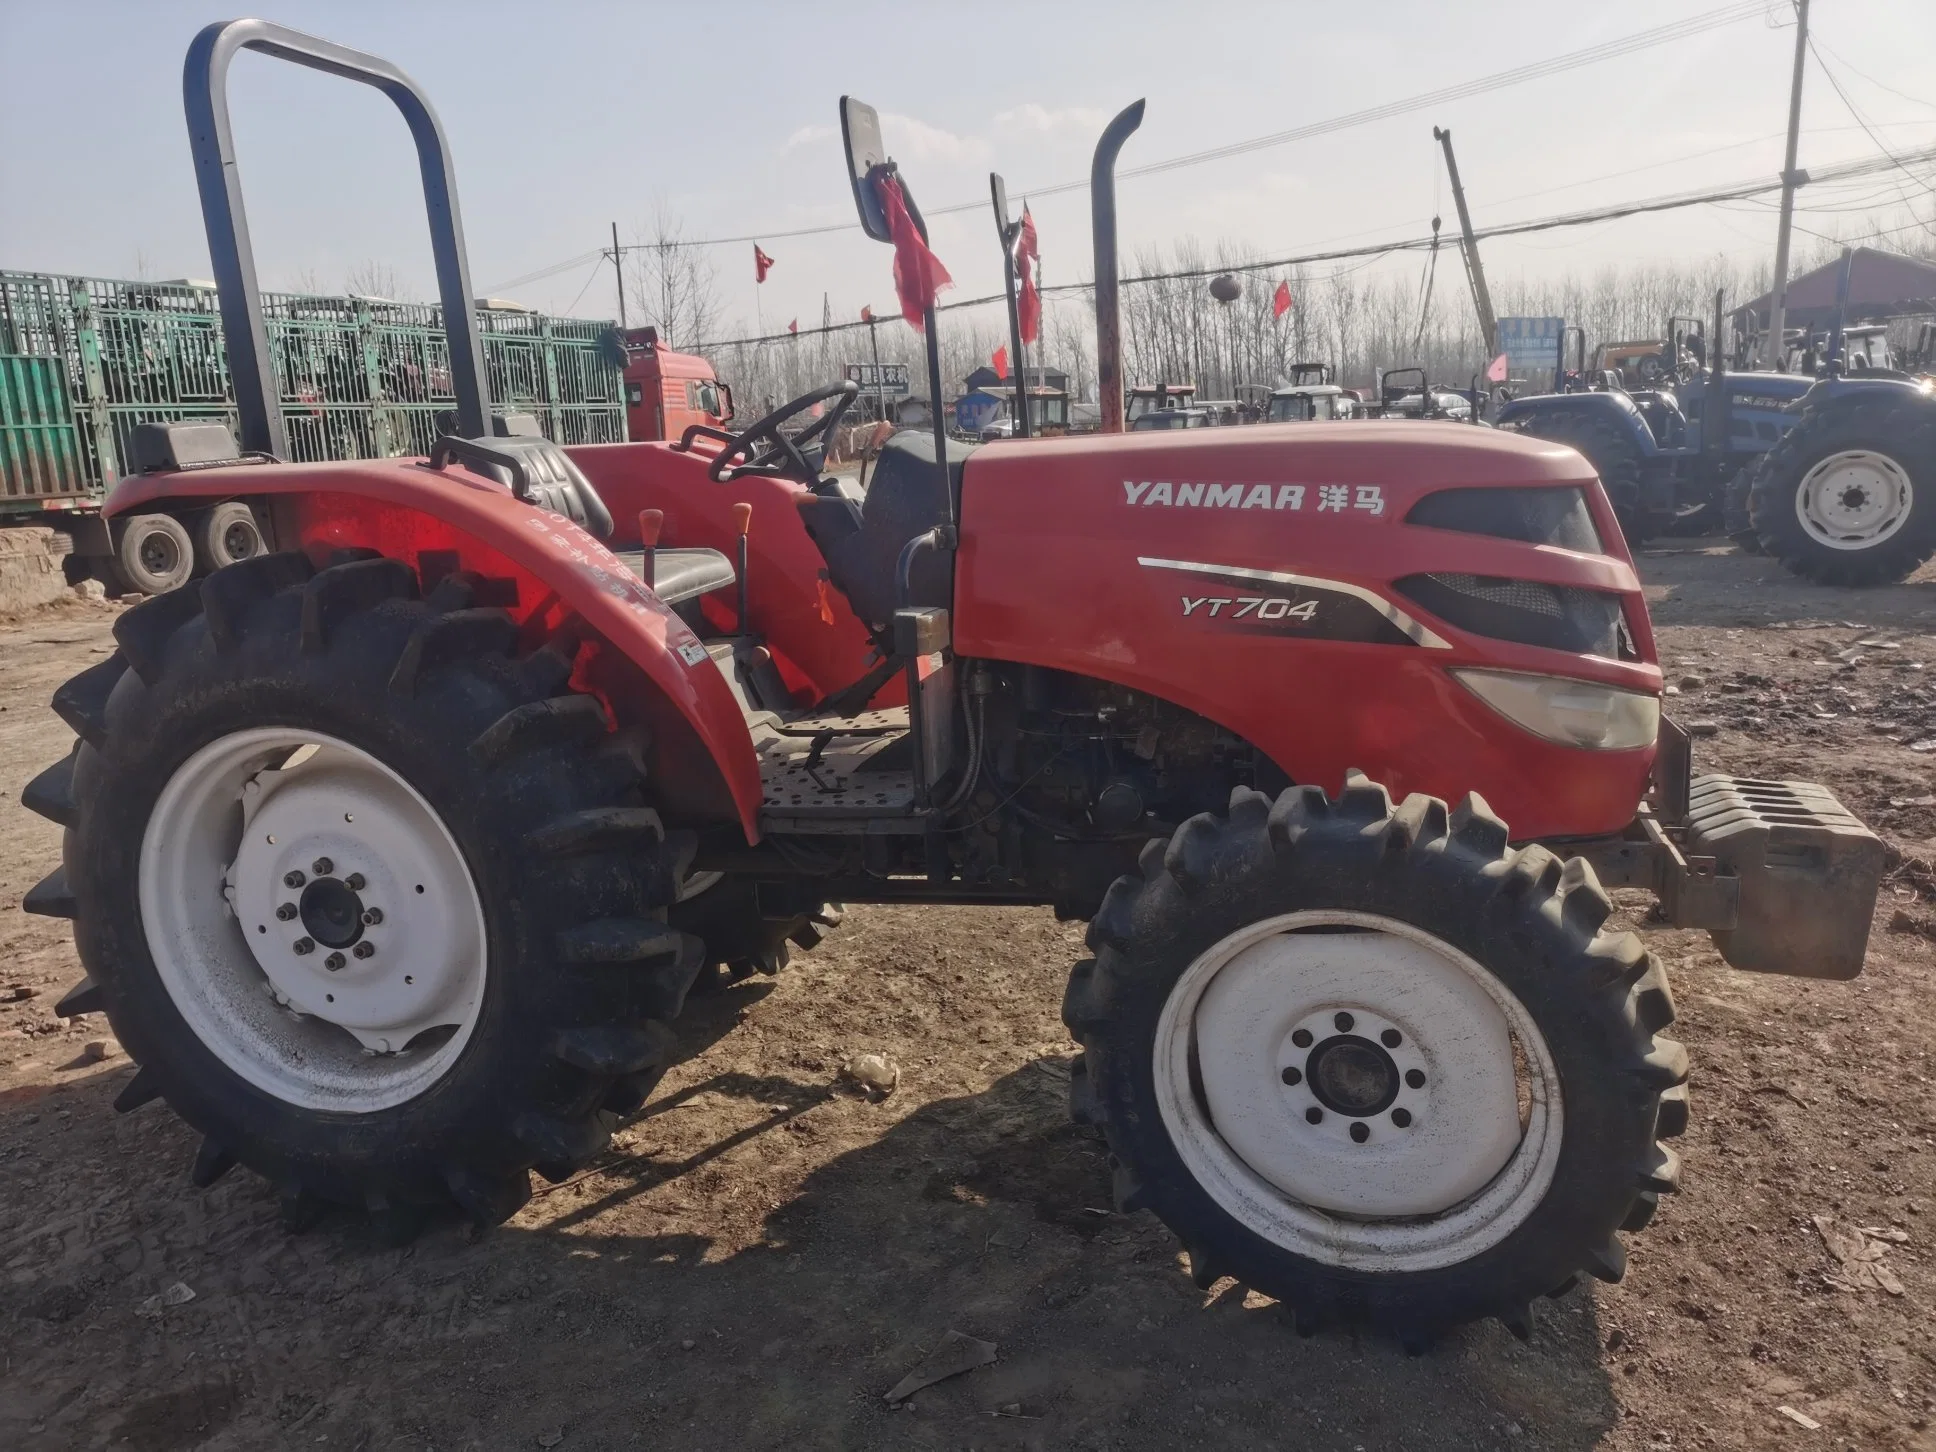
<point x="666" y="392"/>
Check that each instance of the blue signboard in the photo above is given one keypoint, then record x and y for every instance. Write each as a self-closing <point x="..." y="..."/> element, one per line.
<point x="1531" y="345"/>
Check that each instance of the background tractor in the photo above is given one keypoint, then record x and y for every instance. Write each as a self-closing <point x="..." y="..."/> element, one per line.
<point x="1662" y="460"/>
<point x="392" y="853"/>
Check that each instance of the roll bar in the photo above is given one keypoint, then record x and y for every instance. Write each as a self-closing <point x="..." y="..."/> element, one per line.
<point x="251" y="365"/>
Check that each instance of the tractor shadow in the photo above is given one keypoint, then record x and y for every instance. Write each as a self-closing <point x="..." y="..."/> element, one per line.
<point x="699" y="1297"/>
<point x="1711" y="582"/>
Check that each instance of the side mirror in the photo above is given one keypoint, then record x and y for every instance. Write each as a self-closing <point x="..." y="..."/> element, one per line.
<point x="725" y="402"/>
<point x="860" y="128"/>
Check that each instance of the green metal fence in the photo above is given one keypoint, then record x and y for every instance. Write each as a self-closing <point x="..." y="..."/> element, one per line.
<point x="361" y="378"/>
<point x="40" y="448"/>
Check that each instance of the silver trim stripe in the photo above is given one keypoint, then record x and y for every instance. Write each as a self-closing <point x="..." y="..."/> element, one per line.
<point x="1418" y="633"/>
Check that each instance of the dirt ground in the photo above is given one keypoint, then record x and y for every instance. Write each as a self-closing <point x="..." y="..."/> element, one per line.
<point x="764" y="1253"/>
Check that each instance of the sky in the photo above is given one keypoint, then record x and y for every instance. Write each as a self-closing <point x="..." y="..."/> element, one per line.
<point x="568" y="116"/>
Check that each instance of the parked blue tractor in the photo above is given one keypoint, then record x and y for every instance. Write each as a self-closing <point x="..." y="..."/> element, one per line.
<point x="1664" y="466"/>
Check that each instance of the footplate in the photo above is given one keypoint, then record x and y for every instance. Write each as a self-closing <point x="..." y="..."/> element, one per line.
<point x="1807" y="873"/>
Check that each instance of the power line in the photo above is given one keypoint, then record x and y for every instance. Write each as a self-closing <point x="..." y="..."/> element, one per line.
<point x="1827" y="175"/>
<point x="1537" y="70"/>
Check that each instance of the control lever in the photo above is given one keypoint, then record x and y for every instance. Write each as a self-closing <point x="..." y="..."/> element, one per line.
<point x="742" y="521"/>
<point x="651" y="522"/>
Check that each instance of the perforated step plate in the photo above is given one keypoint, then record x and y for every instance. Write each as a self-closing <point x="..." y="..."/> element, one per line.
<point x="846" y="784"/>
<point x="1808" y="870"/>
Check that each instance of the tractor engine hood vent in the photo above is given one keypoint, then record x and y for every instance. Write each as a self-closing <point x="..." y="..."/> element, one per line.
<point x="1548" y="515"/>
<point x="1558" y="617"/>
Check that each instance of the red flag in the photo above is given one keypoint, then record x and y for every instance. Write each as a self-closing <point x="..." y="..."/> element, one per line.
<point x="761" y="262"/>
<point x="1000" y="360"/>
<point x="794" y="326"/>
<point x="1281" y="301"/>
<point x="867" y="315"/>
<point x="1496" y="372"/>
<point x="1028" y="307"/>
<point x="918" y="273"/>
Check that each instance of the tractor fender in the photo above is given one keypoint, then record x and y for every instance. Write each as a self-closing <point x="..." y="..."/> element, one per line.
<point x="1621" y="409"/>
<point x="1854" y="388"/>
<point x="701" y="751"/>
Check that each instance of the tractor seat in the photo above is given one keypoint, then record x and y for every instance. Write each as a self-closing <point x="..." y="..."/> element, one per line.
<point x="680" y="575"/>
<point x="907" y="495"/>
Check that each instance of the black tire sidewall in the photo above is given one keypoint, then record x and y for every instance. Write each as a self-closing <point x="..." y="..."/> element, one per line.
<point x="1608" y="1120"/>
<point x="502" y="1068"/>
<point x="1868" y="426"/>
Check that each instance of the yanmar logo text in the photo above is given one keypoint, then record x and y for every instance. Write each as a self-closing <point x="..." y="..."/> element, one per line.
<point x="1325" y="498"/>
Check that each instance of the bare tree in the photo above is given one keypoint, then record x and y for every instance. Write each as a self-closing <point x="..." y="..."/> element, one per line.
<point x="676" y="285"/>
<point x="371" y="278"/>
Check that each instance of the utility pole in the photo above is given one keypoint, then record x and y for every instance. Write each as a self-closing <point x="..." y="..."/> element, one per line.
<point x="618" y="270"/>
<point x="1773" y="342"/>
<point x="1475" y="271"/>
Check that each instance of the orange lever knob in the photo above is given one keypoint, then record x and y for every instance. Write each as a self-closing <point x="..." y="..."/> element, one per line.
<point x="651" y="521"/>
<point x="742" y="517"/>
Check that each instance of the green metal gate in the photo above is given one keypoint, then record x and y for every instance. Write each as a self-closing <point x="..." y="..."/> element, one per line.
<point x="361" y="378"/>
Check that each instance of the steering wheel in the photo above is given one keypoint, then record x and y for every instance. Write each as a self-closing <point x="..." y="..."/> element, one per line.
<point x="770" y="454"/>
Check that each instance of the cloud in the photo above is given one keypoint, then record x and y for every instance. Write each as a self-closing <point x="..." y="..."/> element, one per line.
<point x="1044" y="119"/>
<point x="908" y="139"/>
<point x="809" y="136"/>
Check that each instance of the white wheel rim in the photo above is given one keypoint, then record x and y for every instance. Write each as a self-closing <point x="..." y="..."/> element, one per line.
<point x="1854" y="500"/>
<point x="1466" y="1171"/>
<point x="383" y="1000"/>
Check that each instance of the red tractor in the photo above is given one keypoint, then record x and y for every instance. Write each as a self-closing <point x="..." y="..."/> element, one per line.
<point x="393" y="853"/>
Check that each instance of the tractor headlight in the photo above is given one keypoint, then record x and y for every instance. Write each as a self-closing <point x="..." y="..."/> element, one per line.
<point x="1572" y="713"/>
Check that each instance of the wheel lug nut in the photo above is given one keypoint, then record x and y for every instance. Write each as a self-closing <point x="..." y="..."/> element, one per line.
<point x="322" y="867"/>
<point x="354" y="882"/>
<point x="1293" y="1076"/>
<point x="1402" y="1118"/>
<point x="1314" y="1115"/>
<point x="1360" y="1132"/>
<point x="364" y="949"/>
<point x="334" y="961"/>
<point x="1391" y="1038"/>
<point x="304" y="945"/>
<point x="286" y="911"/>
<point x="1302" y="1038"/>
<point x="372" y="916"/>
<point x="1415" y="1078"/>
<point x="1344" y="1021"/>
<point x="293" y="879"/>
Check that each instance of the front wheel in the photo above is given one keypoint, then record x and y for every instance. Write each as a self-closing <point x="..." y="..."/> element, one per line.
<point x="1369" y="1062"/>
<point x="1848" y="496"/>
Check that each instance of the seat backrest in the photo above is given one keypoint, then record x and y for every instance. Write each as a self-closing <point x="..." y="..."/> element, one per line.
<point x="907" y="495"/>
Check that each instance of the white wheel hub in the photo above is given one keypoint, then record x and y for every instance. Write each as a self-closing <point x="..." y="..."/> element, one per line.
<point x="1854" y="500"/>
<point x="1356" y="1096"/>
<point x="313" y="920"/>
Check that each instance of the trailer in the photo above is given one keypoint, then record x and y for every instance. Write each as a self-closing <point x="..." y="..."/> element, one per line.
<point x="84" y="361"/>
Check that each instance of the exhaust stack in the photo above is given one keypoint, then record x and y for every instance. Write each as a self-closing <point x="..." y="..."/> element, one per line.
<point x="1102" y="226"/>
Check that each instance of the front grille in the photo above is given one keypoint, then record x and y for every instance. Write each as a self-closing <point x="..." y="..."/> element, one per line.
<point x="1549" y="515"/>
<point x="1559" y="617"/>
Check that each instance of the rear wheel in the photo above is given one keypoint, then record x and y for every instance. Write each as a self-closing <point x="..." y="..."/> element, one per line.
<point x="1614" y="457"/>
<point x="750" y="928"/>
<point x="1848" y="496"/>
<point x="154" y="554"/>
<point x="1369" y="1062"/>
<point x="1736" y="520"/>
<point x="373" y="900"/>
<point x="225" y="535"/>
